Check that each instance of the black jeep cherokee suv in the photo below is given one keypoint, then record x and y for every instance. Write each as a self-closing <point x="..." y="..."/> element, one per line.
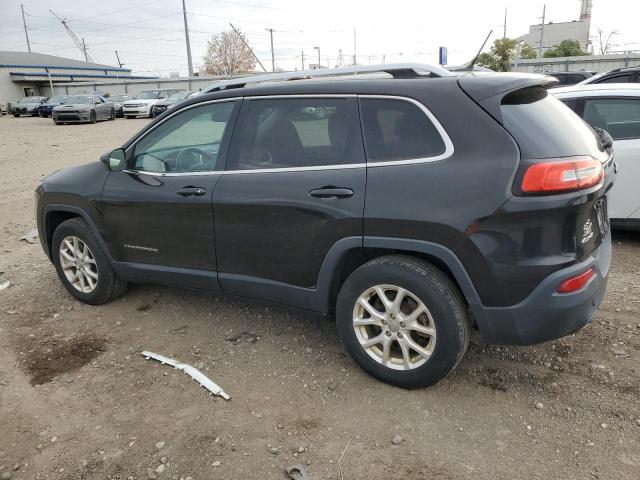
<point x="415" y="208"/>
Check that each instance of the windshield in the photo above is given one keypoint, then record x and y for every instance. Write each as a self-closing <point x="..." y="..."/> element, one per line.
<point x="79" y="99"/>
<point x="119" y="98"/>
<point x="179" y="96"/>
<point x="58" y="99"/>
<point x="30" y="100"/>
<point x="149" y="95"/>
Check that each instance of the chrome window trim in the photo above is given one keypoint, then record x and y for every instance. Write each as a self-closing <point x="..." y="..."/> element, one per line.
<point x="449" y="149"/>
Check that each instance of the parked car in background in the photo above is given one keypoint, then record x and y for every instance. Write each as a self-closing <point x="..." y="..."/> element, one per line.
<point x="616" y="109"/>
<point x="118" y="102"/>
<point x="84" y="108"/>
<point x="485" y="208"/>
<point x="170" y="102"/>
<point x="618" y="75"/>
<point x="28" y="106"/>
<point x="45" y="109"/>
<point x="570" y="78"/>
<point x="141" y="105"/>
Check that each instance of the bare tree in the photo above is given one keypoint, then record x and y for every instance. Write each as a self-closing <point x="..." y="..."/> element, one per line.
<point x="228" y="54"/>
<point x="604" y="40"/>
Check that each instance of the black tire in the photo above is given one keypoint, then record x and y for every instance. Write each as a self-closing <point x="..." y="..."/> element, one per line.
<point x="433" y="288"/>
<point x="109" y="286"/>
<point x="57" y="123"/>
<point x="92" y="116"/>
<point x="112" y="116"/>
<point x="129" y="117"/>
<point x="16" y="115"/>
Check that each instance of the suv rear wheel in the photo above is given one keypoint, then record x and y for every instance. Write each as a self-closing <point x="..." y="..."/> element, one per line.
<point x="82" y="265"/>
<point x="403" y="321"/>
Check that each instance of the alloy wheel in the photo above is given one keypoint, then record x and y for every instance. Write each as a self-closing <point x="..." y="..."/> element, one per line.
<point x="78" y="264"/>
<point x="394" y="327"/>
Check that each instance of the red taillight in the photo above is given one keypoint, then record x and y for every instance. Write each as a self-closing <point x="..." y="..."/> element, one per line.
<point x="561" y="175"/>
<point x="575" y="283"/>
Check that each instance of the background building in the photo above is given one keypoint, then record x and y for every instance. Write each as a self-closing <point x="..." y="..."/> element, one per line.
<point x="554" y="33"/>
<point x="23" y="74"/>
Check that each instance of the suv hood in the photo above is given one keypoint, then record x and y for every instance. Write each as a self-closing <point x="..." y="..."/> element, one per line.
<point x="144" y="101"/>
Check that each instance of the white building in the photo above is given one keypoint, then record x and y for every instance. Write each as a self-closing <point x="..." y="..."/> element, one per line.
<point x="27" y="73"/>
<point x="554" y="33"/>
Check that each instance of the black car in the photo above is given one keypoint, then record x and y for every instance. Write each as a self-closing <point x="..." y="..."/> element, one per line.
<point x="45" y="109"/>
<point x="415" y="208"/>
<point x="27" y="106"/>
<point x="570" y="78"/>
<point x="170" y="102"/>
<point x="118" y="101"/>
<point x="617" y="75"/>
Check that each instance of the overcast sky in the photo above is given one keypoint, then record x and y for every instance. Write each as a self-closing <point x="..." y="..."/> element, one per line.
<point x="150" y="39"/>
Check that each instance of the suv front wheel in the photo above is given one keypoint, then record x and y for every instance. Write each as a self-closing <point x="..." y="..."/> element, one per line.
<point x="403" y="321"/>
<point x="82" y="265"/>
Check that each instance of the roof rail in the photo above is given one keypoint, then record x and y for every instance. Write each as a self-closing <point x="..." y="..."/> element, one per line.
<point x="396" y="70"/>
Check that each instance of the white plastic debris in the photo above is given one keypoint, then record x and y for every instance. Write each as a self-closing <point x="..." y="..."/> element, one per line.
<point x="5" y="285"/>
<point x="193" y="372"/>
<point x="31" y="236"/>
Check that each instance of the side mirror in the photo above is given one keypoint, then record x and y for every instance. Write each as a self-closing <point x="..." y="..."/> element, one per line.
<point x="115" y="159"/>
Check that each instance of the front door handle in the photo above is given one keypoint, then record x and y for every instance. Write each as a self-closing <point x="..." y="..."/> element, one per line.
<point x="331" y="192"/>
<point x="191" y="191"/>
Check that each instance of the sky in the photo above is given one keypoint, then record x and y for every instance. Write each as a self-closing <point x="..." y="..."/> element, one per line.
<point x="149" y="34"/>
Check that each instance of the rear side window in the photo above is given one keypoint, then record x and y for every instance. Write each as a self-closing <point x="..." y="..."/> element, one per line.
<point x="398" y="130"/>
<point x="298" y="133"/>
<point x="544" y="127"/>
<point x="618" y="116"/>
<point x="617" y="79"/>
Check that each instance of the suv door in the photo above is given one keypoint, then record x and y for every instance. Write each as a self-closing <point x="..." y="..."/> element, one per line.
<point x="157" y="212"/>
<point x="294" y="185"/>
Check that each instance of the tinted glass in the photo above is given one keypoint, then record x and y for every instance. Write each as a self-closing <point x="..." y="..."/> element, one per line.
<point x="79" y="99"/>
<point x="544" y="127"/>
<point x="301" y="132"/>
<point x="119" y="98"/>
<point x="398" y="130"/>
<point x="620" y="117"/>
<point x="188" y="142"/>
<point x="616" y="79"/>
<point x="149" y="94"/>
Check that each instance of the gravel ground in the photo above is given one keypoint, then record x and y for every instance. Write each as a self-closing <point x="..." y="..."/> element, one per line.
<point x="78" y="401"/>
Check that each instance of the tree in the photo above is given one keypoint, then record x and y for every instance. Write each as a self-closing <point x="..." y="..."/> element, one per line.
<point x="604" y="40"/>
<point x="503" y="54"/>
<point x="566" y="48"/>
<point x="228" y="54"/>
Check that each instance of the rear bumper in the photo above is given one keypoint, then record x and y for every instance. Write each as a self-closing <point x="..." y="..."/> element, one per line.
<point x="545" y="314"/>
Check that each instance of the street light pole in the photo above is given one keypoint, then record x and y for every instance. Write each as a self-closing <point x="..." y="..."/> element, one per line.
<point x="186" y="36"/>
<point x="318" y="48"/>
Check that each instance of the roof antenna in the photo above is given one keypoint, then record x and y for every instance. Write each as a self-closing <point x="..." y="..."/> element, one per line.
<point x="468" y="67"/>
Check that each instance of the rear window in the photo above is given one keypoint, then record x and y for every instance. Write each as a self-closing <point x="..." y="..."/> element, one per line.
<point x="544" y="127"/>
<point x="398" y="130"/>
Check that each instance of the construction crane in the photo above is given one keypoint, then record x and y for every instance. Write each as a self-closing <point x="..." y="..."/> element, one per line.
<point x="76" y="40"/>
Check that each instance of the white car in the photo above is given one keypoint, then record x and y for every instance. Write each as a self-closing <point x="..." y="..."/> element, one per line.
<point x="616" y="109"/>
<point x="141" y="106"/>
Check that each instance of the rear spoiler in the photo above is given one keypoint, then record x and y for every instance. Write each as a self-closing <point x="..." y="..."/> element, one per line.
<point x="489" y="90"/>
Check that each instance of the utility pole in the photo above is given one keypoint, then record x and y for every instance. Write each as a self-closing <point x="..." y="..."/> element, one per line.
<point x="186" y="37"/>
<point x="302" y="59"/>
<point x="118" y="57"/>
<point x="247" y="45"/>
<point x="26" y="33"/>
<point x="504" y="34"/>
<point x="84" y="49"/>
<point x="273" y="59"/>
<point x="318" y="48"/>
<point x="544" y="10"/>
<point x="355" y="53"/>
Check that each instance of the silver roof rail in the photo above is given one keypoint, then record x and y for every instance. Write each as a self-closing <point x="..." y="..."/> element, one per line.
<point x="397" y="70"/>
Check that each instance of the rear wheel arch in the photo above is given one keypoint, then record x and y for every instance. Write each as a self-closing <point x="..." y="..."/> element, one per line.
<point x="352" y="258"/>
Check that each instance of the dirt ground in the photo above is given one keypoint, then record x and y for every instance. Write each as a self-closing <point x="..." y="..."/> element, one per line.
<point x="78" y="401"/>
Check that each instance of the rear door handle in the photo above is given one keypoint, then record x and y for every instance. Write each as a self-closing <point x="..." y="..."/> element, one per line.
<point x="331" y="192"/>
<point x="191" y="191"/>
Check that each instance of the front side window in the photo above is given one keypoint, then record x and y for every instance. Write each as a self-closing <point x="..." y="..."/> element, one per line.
<point x="297" y="132"/>
<point x="398" y="130"/>
<point x="618" y="116"/>
<point x="187" y="142"/>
